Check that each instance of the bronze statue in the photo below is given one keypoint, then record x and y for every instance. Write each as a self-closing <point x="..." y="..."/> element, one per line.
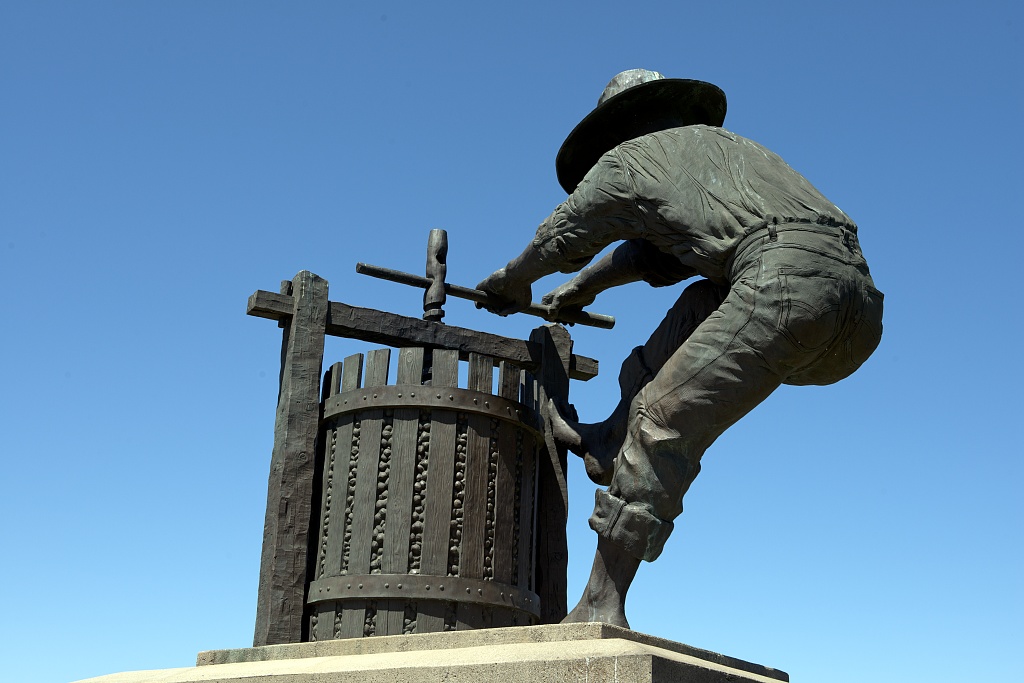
<point x="786" y="298"/>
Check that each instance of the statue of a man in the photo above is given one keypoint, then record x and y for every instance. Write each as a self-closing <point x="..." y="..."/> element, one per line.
<point x="786" y="298"/>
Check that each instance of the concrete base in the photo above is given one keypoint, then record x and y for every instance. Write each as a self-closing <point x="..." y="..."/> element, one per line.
<point x="561" y="653"/>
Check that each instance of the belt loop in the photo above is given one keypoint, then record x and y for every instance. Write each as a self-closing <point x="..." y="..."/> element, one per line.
<point x="773" y="230"/>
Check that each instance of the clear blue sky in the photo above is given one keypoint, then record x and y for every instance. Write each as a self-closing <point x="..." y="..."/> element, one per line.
<point x="161" y="161"/>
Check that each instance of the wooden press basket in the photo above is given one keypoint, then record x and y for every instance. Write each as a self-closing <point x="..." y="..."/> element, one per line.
<point x="428" y="501"/>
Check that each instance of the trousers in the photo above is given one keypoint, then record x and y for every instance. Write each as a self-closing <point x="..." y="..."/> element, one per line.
<point x="801" y="309"/>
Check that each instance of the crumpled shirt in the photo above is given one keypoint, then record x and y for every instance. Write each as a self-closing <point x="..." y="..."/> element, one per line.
<point x="688" y="196"/>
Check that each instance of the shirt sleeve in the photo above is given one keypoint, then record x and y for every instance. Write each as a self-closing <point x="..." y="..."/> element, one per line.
<point x="600" y="211"/>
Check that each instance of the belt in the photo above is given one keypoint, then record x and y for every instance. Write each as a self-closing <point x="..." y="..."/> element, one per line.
<point x="773" y="227"/>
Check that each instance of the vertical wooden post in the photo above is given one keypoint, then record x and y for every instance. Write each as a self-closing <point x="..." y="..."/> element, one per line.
<point x="291" y="496"/>
<point x="552" y="493"/>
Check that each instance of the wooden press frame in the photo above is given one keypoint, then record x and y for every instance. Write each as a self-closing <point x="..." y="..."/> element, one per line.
<point x="307" y="316"/>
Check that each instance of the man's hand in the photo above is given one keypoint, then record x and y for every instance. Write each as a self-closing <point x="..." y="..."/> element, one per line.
<point x="511" y="295"/>
<point x="568" y="296"/>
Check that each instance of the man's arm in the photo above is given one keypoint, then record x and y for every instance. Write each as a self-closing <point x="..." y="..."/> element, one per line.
<point x="600" y="211"/>
<point x="513" y="283"/>
<point x="617" y="268"/>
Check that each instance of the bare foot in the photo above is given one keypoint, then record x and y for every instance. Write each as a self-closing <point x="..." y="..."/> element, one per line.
<point x="593" y="442"/>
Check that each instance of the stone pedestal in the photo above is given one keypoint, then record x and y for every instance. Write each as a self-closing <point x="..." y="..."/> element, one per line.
<point x="583" y="653"/>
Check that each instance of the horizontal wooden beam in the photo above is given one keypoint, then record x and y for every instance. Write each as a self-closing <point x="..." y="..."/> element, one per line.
<point x="399" y="331"/>
<point x="380" y="327"/>
<point x="269" y="305"/>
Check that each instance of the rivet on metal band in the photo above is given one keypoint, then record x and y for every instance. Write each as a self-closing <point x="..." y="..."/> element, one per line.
<point x="418" y="587"/>
<point x="399" y="396"/>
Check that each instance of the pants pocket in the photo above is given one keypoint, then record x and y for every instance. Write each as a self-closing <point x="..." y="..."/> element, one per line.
<point x="810" y="307"/>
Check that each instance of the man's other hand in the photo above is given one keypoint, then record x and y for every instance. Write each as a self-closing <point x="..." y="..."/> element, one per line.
<point x="569" y="296"/>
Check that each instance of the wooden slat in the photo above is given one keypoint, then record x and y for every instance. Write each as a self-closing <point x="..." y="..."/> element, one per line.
<point x="528" y="515"/>
<point x="508" y="380"/>
<point x="336" y="374"/>
<point x="474" y="530"/>
<point x="287" y="560"/>
<point x="528" y="390"/>
<point x="379" y="327"/>
<point x="353" y="374"/>
<point x="326" y="443"/>
<point x="528" y="486"/>
<point x="329" y="516"/>
<point x="345" y="377"/>
<point x="370" y="424"/>
<point x="440" y="480"/>
<point x="477" y="463"/>
<point x="504" y="493"/>
<point x="391" y="614"/>
<point x="352" y="614"/>
<point x="351" y="379"/>
<point x="322" y="628"/>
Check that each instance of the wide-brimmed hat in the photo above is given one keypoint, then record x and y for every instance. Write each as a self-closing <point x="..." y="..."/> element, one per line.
<point x="634" y="103"/>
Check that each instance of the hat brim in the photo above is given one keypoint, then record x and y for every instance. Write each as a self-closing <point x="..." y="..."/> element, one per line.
<point x="634" y="112"/>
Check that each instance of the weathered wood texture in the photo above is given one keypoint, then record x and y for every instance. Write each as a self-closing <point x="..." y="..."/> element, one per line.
<point x="525" y="545"/>
<point x="379" y="327"/>
<point x="474" y="525"/>
<point x="446" y="488"/>
<point x="291" y="497"/>
<point x="425" y="475"/>
<point x="339" y="377"/>
<point x="552" y="493"/>
<point x="503" y="502"/>
<point x="400" y="481"/>
<point x="440" y="450"/>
